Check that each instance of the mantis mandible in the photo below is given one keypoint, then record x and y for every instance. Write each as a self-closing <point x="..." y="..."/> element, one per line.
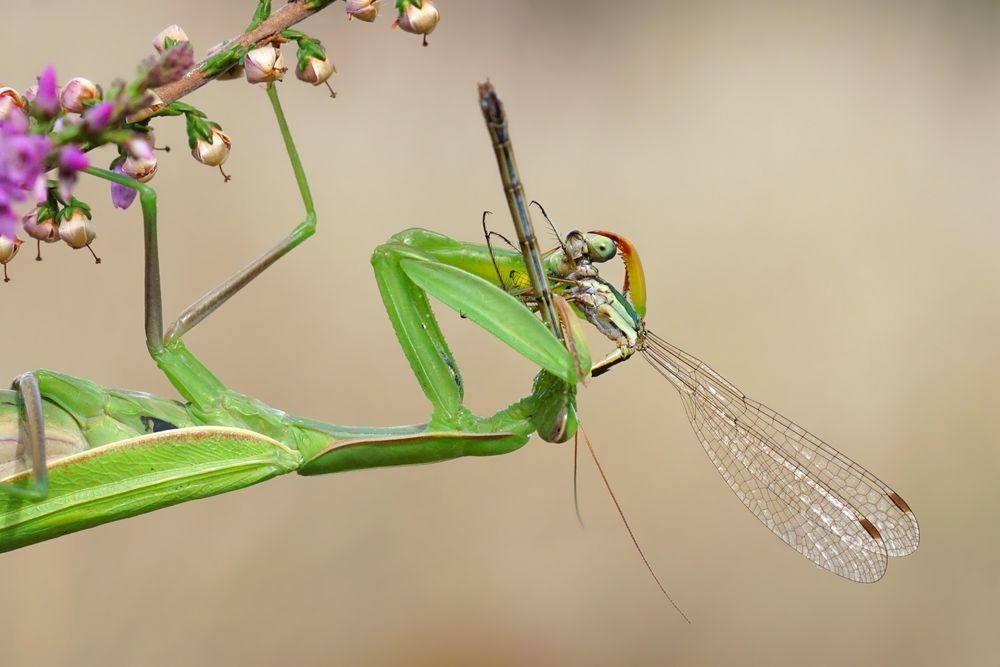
<point x="97" y="455"/>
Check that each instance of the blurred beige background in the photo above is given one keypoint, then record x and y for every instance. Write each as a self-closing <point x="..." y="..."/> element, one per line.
<point x="815" y="193"/>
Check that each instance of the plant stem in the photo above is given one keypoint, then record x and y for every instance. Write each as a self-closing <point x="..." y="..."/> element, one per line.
<point x="195" y="78"/>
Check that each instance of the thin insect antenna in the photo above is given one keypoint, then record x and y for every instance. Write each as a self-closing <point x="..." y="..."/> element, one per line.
<point x="486" y="232"/>
<point x="491" y="233"/>
<point x="489" y="246"/>
<point x="576" y="465"/>
<point x="645" y="560"/>
<point x="555" y="231"/>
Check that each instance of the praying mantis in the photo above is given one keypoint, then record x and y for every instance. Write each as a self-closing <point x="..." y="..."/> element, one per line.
<point x="74" y="455"/>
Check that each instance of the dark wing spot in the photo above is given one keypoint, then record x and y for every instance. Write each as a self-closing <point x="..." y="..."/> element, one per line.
<point x="899" y="502"/>
<point x="870" y="529"/>
<point x="155" y="425"/>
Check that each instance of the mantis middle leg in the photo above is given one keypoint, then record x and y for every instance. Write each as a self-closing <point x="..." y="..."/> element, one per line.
<point x="188" y="375"/>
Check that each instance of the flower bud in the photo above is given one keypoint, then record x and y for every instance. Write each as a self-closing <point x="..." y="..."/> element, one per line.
<point x="10" y="109"/>
<point x="77" y="230"/>
<point x="97" y="118"/>
<point x="47" y="230"/>
<point x="46" y="98"/>
<point x="316" y="71"/>
<point x="419" y="20"/>
<point x="140" y="146"/>
<point x="122" y="196"/>
<point x="141" y="169"/>
<point x="30" y="93"/>
<point x="76" y="92"/>
<point x="8" y="94"/>
<point x="264" y="65"/>
<point x="363" y="10"/>
<point x="212" y="153"/>
<point x="8" y="249"/>
<point x="173" y="32"/>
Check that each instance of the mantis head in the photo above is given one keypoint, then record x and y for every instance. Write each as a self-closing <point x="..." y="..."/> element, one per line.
<point x="555" y="418"/>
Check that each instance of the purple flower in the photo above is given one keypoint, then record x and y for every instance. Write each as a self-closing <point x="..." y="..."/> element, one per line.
<point x="22" y="156"/>
<point x="71" y="161"/>
<point x="8" y="222"/>
<point x="121" y="196"/>
<point x="168" y="66"/>
<point x="47" y="97"/>
<point x="97" y="118"/>
<point x="22" y="167"/>
<point x="139" y="146"/>
<point x="71" y="158"/>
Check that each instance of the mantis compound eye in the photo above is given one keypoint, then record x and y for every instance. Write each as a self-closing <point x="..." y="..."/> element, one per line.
<point x="601" y="248"/>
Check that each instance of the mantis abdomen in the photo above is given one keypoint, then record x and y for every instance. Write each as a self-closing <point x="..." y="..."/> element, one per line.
<point x="114" y="454"/>
<point x="80" y="415"/>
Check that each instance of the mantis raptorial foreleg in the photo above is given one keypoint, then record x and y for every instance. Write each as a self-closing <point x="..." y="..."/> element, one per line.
<point x="417" y="262"/>
<point x="197" y="383"/>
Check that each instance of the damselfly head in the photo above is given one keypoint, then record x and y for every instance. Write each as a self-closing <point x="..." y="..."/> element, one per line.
<point x="619" y="315"/>
<point x="600" y="247"/>
<point x="578" y="253"/>
<point x="635" y="279"/>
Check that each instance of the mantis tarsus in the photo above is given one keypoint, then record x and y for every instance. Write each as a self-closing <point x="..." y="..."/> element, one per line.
<point x="79" y="455"/>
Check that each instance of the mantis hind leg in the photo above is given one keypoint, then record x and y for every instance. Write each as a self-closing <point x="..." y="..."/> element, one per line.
<point x="31" y="424"/>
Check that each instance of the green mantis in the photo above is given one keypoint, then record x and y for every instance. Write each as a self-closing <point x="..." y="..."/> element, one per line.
<point x="97" y="455"/>
<point x="116" y="454"/>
